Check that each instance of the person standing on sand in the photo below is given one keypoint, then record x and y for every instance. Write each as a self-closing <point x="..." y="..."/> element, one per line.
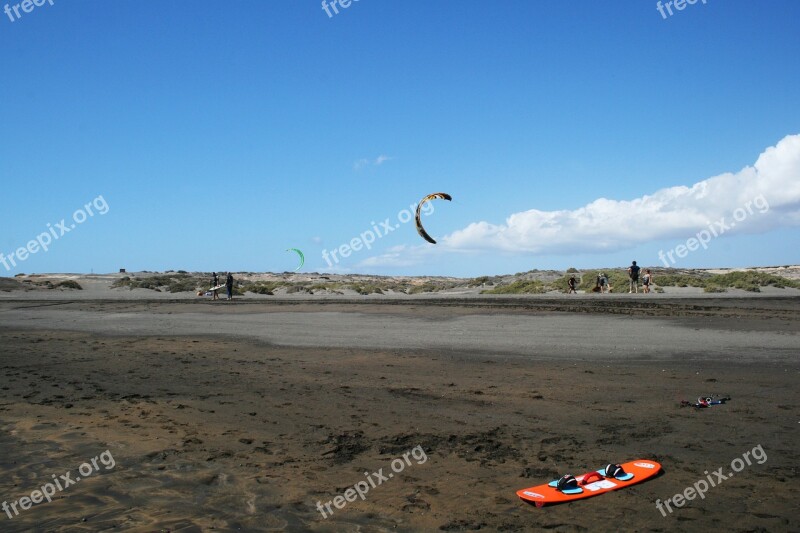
<point x="214" y="283"/>
<point x="604" y="283"/>
<point x="647" y="279"/>
<point x="633" y="273"/>
<point x="229" y="285"/>
<point x="571" y="284"/>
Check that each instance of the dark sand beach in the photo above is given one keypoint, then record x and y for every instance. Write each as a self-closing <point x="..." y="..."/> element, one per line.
<point x="242" y="416"/>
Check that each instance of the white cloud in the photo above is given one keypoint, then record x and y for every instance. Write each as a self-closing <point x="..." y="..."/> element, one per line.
<point x="612" y="225"/>
<point x="381" y="159"/>
<point x="378" y="161"/>
<point x="396" y="256"/>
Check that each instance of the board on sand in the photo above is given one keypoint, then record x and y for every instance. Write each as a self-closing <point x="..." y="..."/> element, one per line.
<point x="547" y="494"/>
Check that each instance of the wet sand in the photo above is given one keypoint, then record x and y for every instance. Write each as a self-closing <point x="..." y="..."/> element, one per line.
<point x="243" y="416"/>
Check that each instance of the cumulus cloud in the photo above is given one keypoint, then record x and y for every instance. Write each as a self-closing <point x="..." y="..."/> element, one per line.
<point x="611" y="225"/>
<point x="771" y="187"/>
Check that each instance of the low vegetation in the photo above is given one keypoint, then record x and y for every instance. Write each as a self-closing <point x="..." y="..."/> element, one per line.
<point x="520" y="287"/>
<point x="161" y="282"/>
<point x="433" y="285"/>
<point x="49" y="284"/>
<point x="69" y="284"/>
<point x="367" y="288"/>
<point x="532" y="282"/>
<point x="751" y="281"/>
<point x="618" y="279"/>
<point x="261" y="287"/>
<point x="682" y="280"/>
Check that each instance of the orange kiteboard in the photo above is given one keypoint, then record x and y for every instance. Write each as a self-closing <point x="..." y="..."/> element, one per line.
<point x="590" y="484"/>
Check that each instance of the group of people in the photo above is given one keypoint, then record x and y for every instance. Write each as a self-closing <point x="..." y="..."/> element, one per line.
<point x="603" y="284"/>
<point x="633" y="274"/>
<point x="228" y="286"/>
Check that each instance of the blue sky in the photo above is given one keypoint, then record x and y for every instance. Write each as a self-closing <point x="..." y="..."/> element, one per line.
<point x="220" y="134"/>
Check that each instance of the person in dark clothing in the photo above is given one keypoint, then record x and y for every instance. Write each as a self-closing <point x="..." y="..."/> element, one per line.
<point x="229" y="285"/>
<point x="571" y="284"/>
<point x="633" y="273"/>
<point x="214" y="283"/>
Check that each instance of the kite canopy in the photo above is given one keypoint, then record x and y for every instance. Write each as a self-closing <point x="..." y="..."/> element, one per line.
<point x="420" y="229"/>
<point x="302" y="257"/>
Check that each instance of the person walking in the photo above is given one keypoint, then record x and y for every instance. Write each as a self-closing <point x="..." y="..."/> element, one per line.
<point x="229" y="285"/>
<point x="633" y="274"/>
<point x="571" y="284"/>
<point x="214" y="283"/>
